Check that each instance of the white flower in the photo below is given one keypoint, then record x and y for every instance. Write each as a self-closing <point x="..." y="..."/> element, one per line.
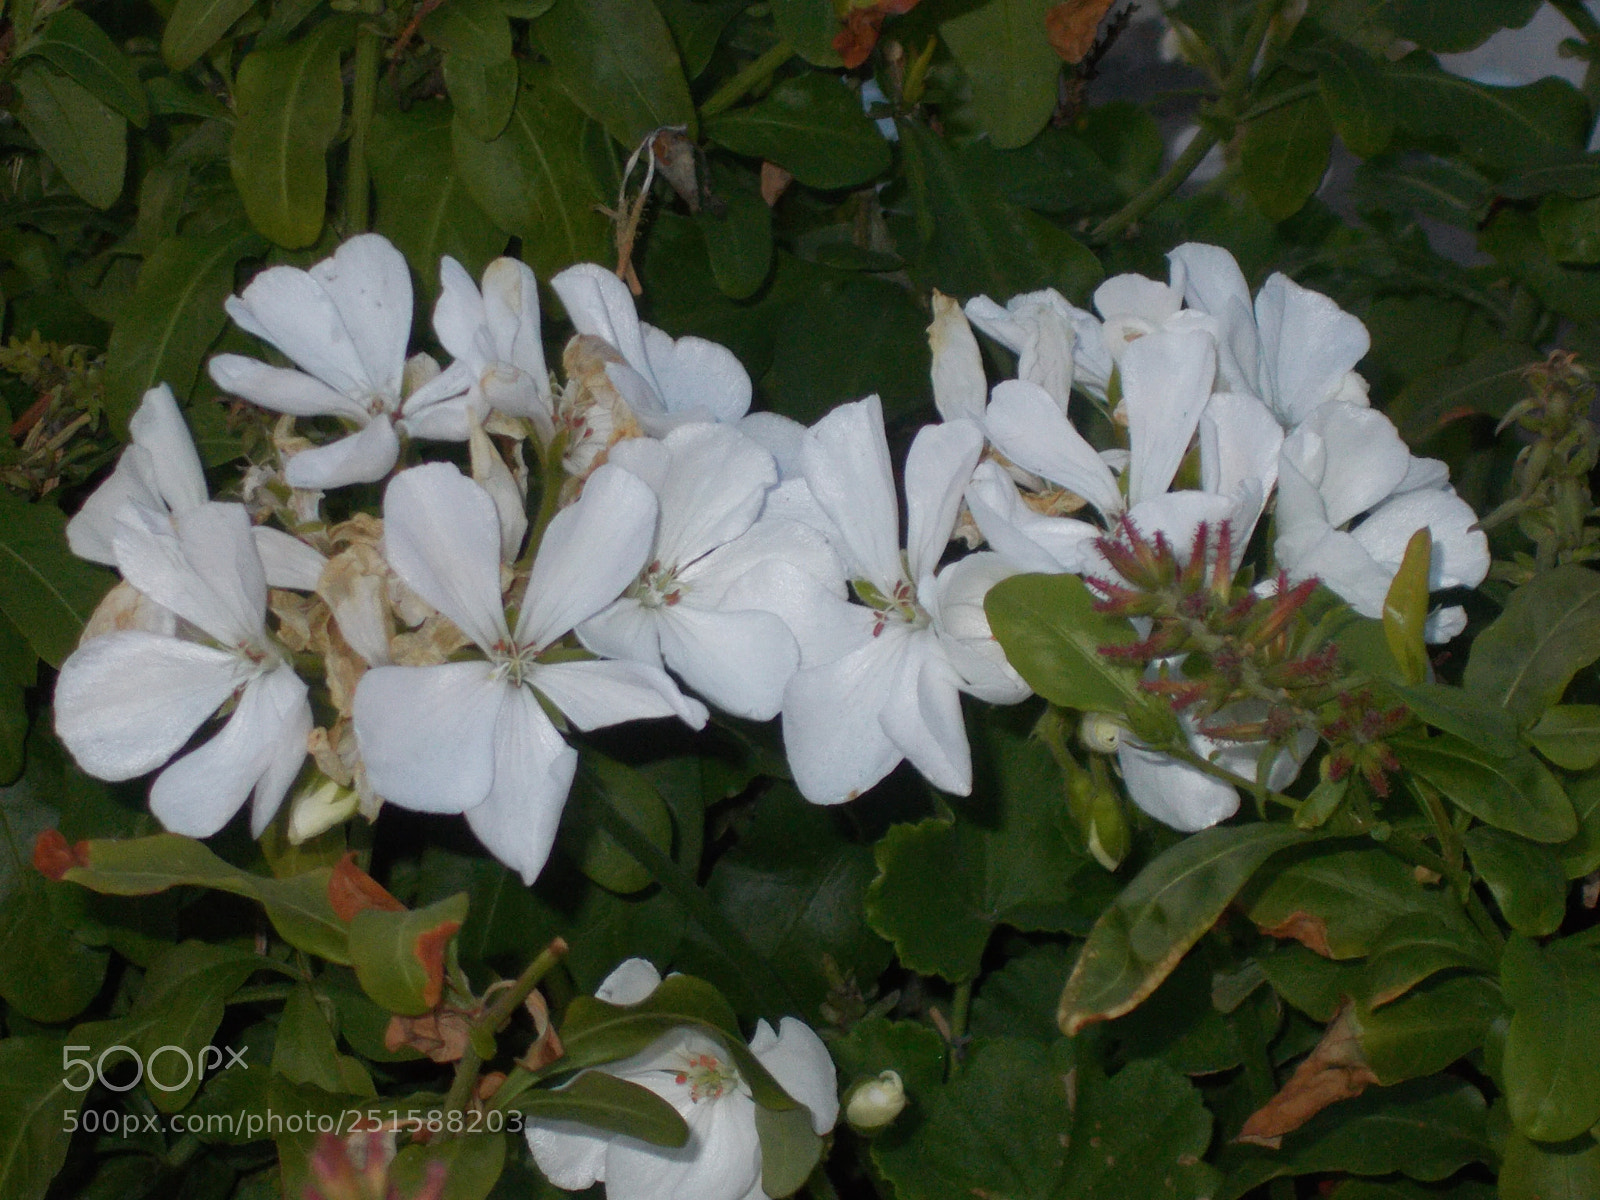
<point x="701" y="604"/>
<point x="665" y="381"/>
<point x="1040" y="328"/>
<point x="1345" y="461"/>
<point x="160" y="471"/>
<point x="126" y="702"/>
<point x="345" y="323"/>
<point x="694" y="1074"/>
<point x="473" y="737"/>
<point x="494" y="338"/>
<point x="882" y="680"/>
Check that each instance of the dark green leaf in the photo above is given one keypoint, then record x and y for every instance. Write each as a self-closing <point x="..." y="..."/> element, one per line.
<point x="46" y="973"/>
<point x="1548" y="631"/>
<point x="18" y="670"/>
<point x="1465" y="714"/>
<point x="697" y="26"/>
<point x="305" y="1051"/>
<point x="1552" y="1058"/>
<point x="1019" y="999"/>
<point x="1512" y="237"/>
<point x="472" y="1166"/>
<point x="1571" y="228"/>
<point x="400" y="956"/>
<point x="1569" y="735"/>
<point x="1057" y="172"/>
<point x="1140" y="1134"/>
<point x="1503" y="127"/>
<point x="1358" y="97"/>
<point x="1450" y="26"/>
<point x="1581" y="855"/>
<point x="174" y="315"/>
<point x="615" y="58"/>
<point x="790" y="1150"/>
<point x="532" y="180"/>
<point x="1413" y="947"/>
<point x="1052" y="634"/>
<point x="194" y="26"/>
<point x="1168" y="906"/>
<point x="738" y="239"/>
<point x="1525" y="878"/>
<point x="809" y="26"/>
<point x="289" y="104"/>
<point x="1488" y="385"/>
<point x="1518" y="794"/>
<point x="1576" y="178"/>
<point x="35" y="1105"/>
<point x="1284" y="155"/>
<point x="45" y="592"/>
<point x="1001" y="45"/>
<point x="75" y="45"/>
<point x="1542" y="1171"/>
<point x="811" y="125"/>
<point x="87" y="142"/>
<point x="583" y="836"/>
<point x="475" y="29"/>
<point x="914" y="1052"/>
<point x="1429" y="1029"/>
<point x="605" y="1102"/>
<point x="483" y="93"/>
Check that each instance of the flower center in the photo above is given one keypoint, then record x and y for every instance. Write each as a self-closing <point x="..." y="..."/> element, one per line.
<point x="512" y="661"/>
<point x="900" y="605"/>
<point x="659" y="586"/>
<point x="707" y="1076"/>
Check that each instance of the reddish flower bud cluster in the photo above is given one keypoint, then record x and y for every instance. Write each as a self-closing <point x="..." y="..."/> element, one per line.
<point x="1358" y="736"/>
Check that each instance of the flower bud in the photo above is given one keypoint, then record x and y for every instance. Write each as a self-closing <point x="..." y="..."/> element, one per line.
<point x="1101" y="732"/>
<point x="873" y="1104"/>
<point x="319" y="808"/>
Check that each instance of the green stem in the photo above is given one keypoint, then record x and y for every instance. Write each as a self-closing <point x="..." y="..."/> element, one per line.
<point x="757" y="73"/>
<point x="550" y="478"/>
<point x="960" y="1008"/>
<point x="771" y="994"/>
<point x="494" y="1020"/>
<point x="1200" y="763"/>
<point x="1581" y="18"/>
<point x="1225" y="109"/>
<point x="1288" y="96"/>
<point x="363" y="95"/>
<point x="1263" y="1083"/>
<point x="1418" y="855"/>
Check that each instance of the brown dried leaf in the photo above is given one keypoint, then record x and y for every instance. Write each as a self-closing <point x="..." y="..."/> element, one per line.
<point x="443" y="1034"/>
<point x="1336" y="1070"/>
<point x="1309" y="930"/>
<point x="352" y="890"/>
<point x="774" y="182"/>
<point x="1071" y="26"/>
<point x="547" y="1045"/>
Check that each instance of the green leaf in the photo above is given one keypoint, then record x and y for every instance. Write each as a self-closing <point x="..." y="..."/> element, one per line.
<point x="616" y="59"/>
<point x="1503" y="127"/>
<point x="1552" y="1058"/>
<point x="471" y="1167"/>
<point x="738" y="238"/>
<point x="298" y="906"/>
<point x="474" y="29"/>
<point x="812" y="126"/>
<point x="1548" y="632"/>
<point x="533" y="181"/>
<point x="970" y="240"/>
<point x="1429" y="1029"/>
<point x="1019" y="999"/>
<point x="1512" y="237"/>
<point x="605" y="1102"/>
<point x="597" y="853"/>
<point x="1165" y="909"/>
<point x="1339" y="904"/>
<point x="790" y="1150"/>
<point x="35" y="1105"/>
<point x="1488" y="384"/>
<point x="175" y="314"/>
<point x="76" y="46"/>
<point x="45" y="591"/>
<point x="483" y="93"/>
<point x="1405" y="608"/>
<point x="1010" y="859"/>
<point x="1051" y="633"/>
<point x="1577" y="177"/>
<point x="1284" y="155"/>
<point x="1569" y="735"/>
<point x="809" y="26"/>
<point x="1411" y="948"/>
<point x="1140" y="1134"/>
<point x="400" y="956"/>
<point x="1358" y="97"/>
<point x="1525" y="878"/>
<point x="1465" y="714"/>
<point x="1581" y="854"/>
<point x="422" y="201"/>
<point x="1571" y="228"/>
<point x="1541" y="1171"/>
<point x="913" y="1051"/>
<point x="1057" y="172"/>
<point x="1008" y="1094"/>
<point x="87" y="142"/>
<point x="46" y="973"/>
<point x="289" y="103"/>
<point x="18" y="671"/>
<point x="304" y="1050"/>
<point x="697" y="27"/>
<point x="1450" y="26"/>
<point x="194" y="26"/>
<point x="1001" y="45"/>
<point x="1518" y="794"/>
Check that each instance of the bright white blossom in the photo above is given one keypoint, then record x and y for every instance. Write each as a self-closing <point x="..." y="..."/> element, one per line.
<point x="126" y="702"/>
<point x="695" y="1074"/>
<point x="473" y="737"/>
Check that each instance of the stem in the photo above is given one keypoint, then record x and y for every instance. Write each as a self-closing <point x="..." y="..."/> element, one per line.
<point x="1289" y="96"/>
<point x="771" y="994"/>
<point x="495" y="1018"/>
<point x="1259" y="1076"/>
<point x="960" y="1007"/>
<point x="1226" y="108"/>
<point x="1200" y="763"/>
<point x="757" y="73"/>
<point x="363" y="94"/>
<point x="1418" y="855"/>
<point x="549" y="489"/>
<point x="1581" y="18"/>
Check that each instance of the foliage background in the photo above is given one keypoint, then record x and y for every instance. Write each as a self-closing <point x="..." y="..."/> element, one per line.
<point x="157" y="154"/>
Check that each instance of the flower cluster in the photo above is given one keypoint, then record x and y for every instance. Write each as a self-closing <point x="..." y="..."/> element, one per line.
<point x="684" y="552"/>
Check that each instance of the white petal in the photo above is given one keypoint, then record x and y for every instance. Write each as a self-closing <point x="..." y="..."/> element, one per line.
<point x="625" y="630"/>
<point x="458" y="315"/>
<point x="363" y="457"/>
<point x="598" y="303"/>
<point x="429" y="411"/>
<point x="1239" y="445"/>
<point x="1445" y="624"/>
<point x="1166" y="381"/>
<point x="369" y="282"/>
<point x="570" y="1155"/>
<point x="847" y="467"/>
<point x="1355" y="455"/>
<point x="427" y="733"/>
<point x="713" y="490"/>
<point x="1308" y="345"/>
<point x="1214" y="284"/>
<point x="739" y="660"/>
<point x="293" y="312"/>
<point x="158" y="426"/>
<point x="595" y="694"/>
<point x="779" y="436"/>
<point x="286" y="561"/>
<point x="1175" y="793"/>
<point x="722" y="1160"/>
<point x="693" y="373"/>
<point x="511" y="313"/>
<point x="1030" y="430"/>
<point x="938" y="468"/>
<point x="533" y="771"/>
<point x="592" y="549"/>
<point x="202" y="565"/>
<point x="1460" y="551"/>
<point x="630" y="982"/>
<point x="128" y="701"/>
<point x="91" y="530"/>
<point x="769" y="539"/>
<point x="922" y="715"/>
<point x="800" y="1063"/>
<point x="199" y="793"/>
<point x="1137" y="296"/>
<point x="489" y="471"/>
<point x="836" y="760"/>
<point x="1050" y="338"/>
<point x="282" y="389"/>
<point x="1027" y="540"/>
<point x="955" y="602"/>
<point x="825" y="625"/>
<point x="1177" y="516"/>
<point x="959" y="388"/>
<point x="441" y="535"/>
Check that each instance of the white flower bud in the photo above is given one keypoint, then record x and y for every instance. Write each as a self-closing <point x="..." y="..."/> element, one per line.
<point x="1101" y="732"/>
<point x="873" y="1104"/>
<point x="318" y="809"/>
